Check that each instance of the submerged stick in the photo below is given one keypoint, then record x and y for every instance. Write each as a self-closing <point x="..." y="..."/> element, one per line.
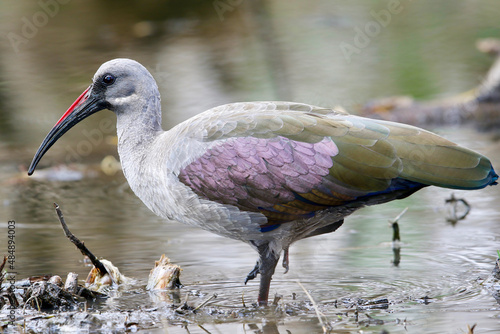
<point x="318" y="313"/>
<point x="395" y="226"/>
<point x="85" y="251"/>
<point x="205" y="302"/>
<point x="396" y="238"/>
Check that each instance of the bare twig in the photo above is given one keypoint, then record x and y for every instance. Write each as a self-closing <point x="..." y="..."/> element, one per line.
<point x="80" y="245"/>
<point x="398" y="217"/>
<point x="205" y="302"/>
<point x="470" y="330"/>
<point x="2" y="275"/>
<point x="276" y="299"/>
<point x="395" y="226"/>
<point x="396" y="238"/>
<point x="183" y="306"/>
<point x="3" y="263"/>
<point x="203" y="329"/>
<point x="318" y="313"/>
<point x="35" y="298"/>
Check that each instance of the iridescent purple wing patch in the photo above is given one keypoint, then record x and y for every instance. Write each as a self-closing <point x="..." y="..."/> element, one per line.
<point x="282" y="178"/>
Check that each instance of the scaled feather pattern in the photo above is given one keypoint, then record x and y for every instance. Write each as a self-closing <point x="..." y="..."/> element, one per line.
<point x="288" y="161"/>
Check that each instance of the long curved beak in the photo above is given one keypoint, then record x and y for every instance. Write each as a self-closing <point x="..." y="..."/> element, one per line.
<point x="84" y="106"/>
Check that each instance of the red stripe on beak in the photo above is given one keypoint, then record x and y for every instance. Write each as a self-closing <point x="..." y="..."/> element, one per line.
<point x="82" y="98"/>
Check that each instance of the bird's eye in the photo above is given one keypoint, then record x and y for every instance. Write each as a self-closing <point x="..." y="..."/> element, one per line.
<point x="108" y="79"/>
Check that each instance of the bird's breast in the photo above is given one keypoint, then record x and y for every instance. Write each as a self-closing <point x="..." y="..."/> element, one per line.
<point x="153" y="176"/>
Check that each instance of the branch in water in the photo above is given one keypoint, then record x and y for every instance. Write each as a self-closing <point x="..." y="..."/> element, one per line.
<point x="80" y="245"/>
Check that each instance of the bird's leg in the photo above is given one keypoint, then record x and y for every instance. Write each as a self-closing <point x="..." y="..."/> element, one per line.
<point x="255" y="271"/>
<point x="268" y="261"/>
<point x="286" y="260"/>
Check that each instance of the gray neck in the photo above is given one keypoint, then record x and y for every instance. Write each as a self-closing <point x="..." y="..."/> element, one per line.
<point x="138" y="124"/>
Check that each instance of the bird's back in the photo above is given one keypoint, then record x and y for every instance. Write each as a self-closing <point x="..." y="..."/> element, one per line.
<point x="288" y="161"/>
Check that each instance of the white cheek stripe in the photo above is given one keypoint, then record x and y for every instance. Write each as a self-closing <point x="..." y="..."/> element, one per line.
<point x="123" y="100"/>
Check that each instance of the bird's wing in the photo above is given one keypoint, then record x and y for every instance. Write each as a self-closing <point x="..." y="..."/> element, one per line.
<point x="290" y="160"/>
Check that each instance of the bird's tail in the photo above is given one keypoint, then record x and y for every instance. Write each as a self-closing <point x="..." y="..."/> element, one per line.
<point x="430" y="159"/>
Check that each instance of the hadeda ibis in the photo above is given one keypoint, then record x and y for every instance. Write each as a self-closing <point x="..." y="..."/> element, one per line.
<point x="266" y="173"/>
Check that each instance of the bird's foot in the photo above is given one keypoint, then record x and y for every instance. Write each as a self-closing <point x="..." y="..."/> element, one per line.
<point x="253" y="274"/>
<point x="286" y="260"/>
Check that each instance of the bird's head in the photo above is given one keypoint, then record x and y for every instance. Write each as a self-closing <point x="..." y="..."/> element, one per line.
<point x="117" y="84"/>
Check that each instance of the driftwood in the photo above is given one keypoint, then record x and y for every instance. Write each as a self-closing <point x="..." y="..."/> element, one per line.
<point x="103" y="274"/>
<point x="43" y="295"/>
<point x="479" y="106"/>
<point x="47" y="292"/>
<point x="164" y="275"/>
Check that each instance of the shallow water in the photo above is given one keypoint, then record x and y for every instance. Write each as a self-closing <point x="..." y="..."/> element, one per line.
<point x="202" y="59"/>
